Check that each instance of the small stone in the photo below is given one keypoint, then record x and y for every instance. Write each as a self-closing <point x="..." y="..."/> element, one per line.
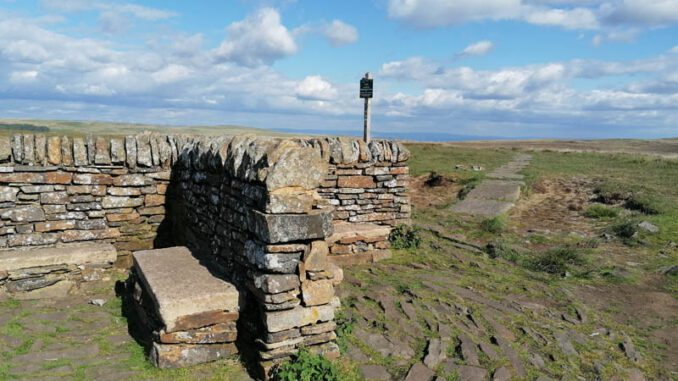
<point x="317" y="292"/>
<point x="648" y="227"/>
<point x="79" y="152"/>
<point x="501" y="374"/>
<point x="316" y="259"/>
<point x="97" y="302"/>
<point x="419" y="372"/>
<point x="8" y="194"/>
<point x="54" y="150"/>
<point x="436" y="353"/>
<point x="374" y="373"/>
<point x="102" y="154"/>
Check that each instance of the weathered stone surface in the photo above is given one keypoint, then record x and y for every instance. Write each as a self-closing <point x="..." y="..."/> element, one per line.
<point x="17" y="148"/>
<point x="114" y="202"/>
<point x="54" y="198"/>
<point x="419" y="372"/>
<point x="89" y="178"/>
<point x="274" y="284"/>
<point x="317" y="292"/>
<point x="290" y="200"/>
<point x="182" y="355"/>
<point x="275" y="228"/>
<point x="133" y="180"/>
<point x="316" y="258"/>
<point x="29" y="149"/>
<point x="131" y="151"/>
<point x="117" y="151"/>
<point x="90" y="143"/>
<point x="115" y="191"/>
<point x="154" y="200"/>
<point x="356" y="182"/>
<point x="295" y="167"/>
<point x="27" y="213"/>
<point x="54" y="226"/>
<point x="297" y="317"/>
<point x="435" y="353"/>
<point x="466" y="372"/>
<point x="271" y="262"/>
<point x="496" y="190"/>
<point x="181" y="286"/>
<point x="89" y="235"/>
<point x="54" y="150"/>
<point x="5" y="149"/>
<point x="213" y="334"/>
<point x="79" y="152"/>
<point x="374" y="373"/>
<point x="40" y="148"/>
<point x="8" y="194"/>
<point x="481" y="207"/>
<point x="66" y="151"/>
<point x="102" y="153"/>
<point x="35" y="239"/>
<point x="30" y="284"/>
<point x="144" y="156"/>
<point x="501" y="374"/>
<point x="76" y="254"/>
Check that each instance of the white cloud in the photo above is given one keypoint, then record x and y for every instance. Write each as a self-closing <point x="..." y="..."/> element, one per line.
<point x="130" y="9"/>
<point x="339" y="33"/>
<point x="414" y="67"/>
<point x="172" y="73"/>
<point x="567" y="14"/>
<point x="477" y="49"/>
<point x="577" y="18"/>
<point x="315" y="87"/>
<point x="259" y="39"/>
<point x="641" y="12"/>
<point x="433" y="13"/>
<point x="23" y="76"/>
<point x="674" y="50"/>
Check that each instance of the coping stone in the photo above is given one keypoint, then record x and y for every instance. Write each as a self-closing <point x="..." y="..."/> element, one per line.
<point x="72" y="254"/>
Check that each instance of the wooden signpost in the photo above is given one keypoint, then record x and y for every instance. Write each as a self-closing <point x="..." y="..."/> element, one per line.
<point x="366" y="91"/>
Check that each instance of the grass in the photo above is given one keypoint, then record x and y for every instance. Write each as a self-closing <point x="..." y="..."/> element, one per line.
<point x="494" y="225"/>
<point x="601" y="211"/>
<point x="441" y="158"/>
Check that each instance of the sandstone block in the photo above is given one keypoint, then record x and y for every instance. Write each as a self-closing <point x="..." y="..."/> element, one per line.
<point x="277" y="321"/>
<point x="117" y="151"/>
<point x="40" y="148"/>
<point x="54" y="198"/>
<point x="79" y="152"/>
<point x="316" y="258"/>
<point x="144" y="156"/>
<point x="27" y="213"/>
<point x="66" y="151"/>
<point x="5" y="149"/>
<point x="134" y="180"/>
<point x="317" y="292"/>
<point x="117" y="191"/>
<point x="180" y="286"/>
<point x="92" y="178"/>
<point x="32" y="239"/>
<point x="102" y="153"/>
<point x="113" y="202"/>
<point x="131" y="151"/>
<point x="17" y="148"/>
<point x="289" y="200"/>
<point x="54" y="226"/>
<point x="8" y="194"/>
<point x="275" y="228"/>
<point x="54" y="150"/>
<point x="154" y="200"/>
<point x="274" y="284"/>
<point x="213" y="334"/>
<point x="29" y="149"/>
<point x="181" y="355"/>
<point x="89" y="235"/>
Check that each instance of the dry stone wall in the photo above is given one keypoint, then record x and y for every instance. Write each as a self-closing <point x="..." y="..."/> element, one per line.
<point x="259" y="212"/>
<point x="61" y="189"/>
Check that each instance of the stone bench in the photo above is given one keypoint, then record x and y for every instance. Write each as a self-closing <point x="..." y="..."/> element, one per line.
<point x="190" y="313"/>
<point x="353" y="243"/>
<point x="52" y="271"/>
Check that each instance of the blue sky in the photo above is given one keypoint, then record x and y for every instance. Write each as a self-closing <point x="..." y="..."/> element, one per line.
<point x="491" y="68"/>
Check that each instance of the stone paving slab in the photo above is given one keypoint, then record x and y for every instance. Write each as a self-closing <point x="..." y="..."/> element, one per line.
<point x="495" y="195"/>
<point x="481" y="207"/>
<point x="180" y="286"/>
<point x="496" y="190"/>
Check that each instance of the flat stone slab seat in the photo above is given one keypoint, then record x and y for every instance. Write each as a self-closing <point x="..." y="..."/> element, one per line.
<point x="353" y="243"/>
<point x="48" y="272"/>
<point x="191" y="312"/>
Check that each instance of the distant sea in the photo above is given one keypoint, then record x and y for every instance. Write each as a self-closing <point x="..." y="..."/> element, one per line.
<point x="415" y="136"/>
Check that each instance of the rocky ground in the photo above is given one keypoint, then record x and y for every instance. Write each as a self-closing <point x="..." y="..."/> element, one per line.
<point x="449" y="310"/>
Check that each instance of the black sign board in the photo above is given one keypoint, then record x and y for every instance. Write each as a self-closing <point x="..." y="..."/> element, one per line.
<point x="366" y="86"/>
